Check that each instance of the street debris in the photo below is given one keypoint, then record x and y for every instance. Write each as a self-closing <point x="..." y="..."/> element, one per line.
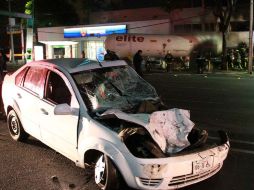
<point x="54" y="179"/>
<point x="63" y="184"/>
<point x="72" y="186"/>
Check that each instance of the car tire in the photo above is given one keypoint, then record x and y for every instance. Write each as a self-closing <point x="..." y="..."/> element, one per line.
<point x="106" y="175"/>
<point x="16" y="130"/>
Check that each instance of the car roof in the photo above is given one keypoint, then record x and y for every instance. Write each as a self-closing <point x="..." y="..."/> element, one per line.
<point x="73" y="65"/>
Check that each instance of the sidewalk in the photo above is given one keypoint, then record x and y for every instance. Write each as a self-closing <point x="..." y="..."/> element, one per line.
<point x="244" y="73"/>
<point x="234" y="73"/>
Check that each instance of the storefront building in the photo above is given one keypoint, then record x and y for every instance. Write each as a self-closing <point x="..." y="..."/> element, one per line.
<point x="64" y="42"/>
<point x="190" y="17"/>
<point x="69" y="42"/>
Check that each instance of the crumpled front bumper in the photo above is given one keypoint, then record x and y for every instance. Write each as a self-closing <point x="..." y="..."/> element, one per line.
<point x="176" y="171"/>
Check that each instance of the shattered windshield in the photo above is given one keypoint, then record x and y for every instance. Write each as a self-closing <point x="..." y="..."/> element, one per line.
<point x="114" y="87"/>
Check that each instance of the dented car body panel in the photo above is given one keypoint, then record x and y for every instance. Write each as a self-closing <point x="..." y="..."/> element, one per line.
<point x="168" y="128"/>
<point x="176" y="172"/>
<point x="88" y="121"/>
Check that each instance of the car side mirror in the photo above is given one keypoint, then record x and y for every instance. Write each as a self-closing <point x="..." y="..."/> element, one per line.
<point x="62" y="109"/>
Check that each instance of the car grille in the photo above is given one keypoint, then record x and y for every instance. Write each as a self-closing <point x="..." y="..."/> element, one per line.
<point x="150" y="182"/>
<point x="183" y="179"/>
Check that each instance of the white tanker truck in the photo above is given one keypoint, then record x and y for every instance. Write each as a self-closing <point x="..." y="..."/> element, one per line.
<point x="155" y="47"/>
<point x="126" y="45"/>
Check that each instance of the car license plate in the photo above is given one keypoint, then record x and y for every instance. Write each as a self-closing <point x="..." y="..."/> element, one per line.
<point x="203" y="165"/>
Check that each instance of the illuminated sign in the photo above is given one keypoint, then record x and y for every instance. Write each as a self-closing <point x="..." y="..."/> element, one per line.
<point x="94" y="31"/>
<point x="128" y="38"/>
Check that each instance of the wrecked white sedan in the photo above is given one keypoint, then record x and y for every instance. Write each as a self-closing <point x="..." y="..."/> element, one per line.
<point x="105" y="116"/>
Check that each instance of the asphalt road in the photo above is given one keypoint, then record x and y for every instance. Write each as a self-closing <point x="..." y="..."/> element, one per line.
<point x="215" y="101"/>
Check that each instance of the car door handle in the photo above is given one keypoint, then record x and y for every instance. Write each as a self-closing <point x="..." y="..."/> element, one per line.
<point x="19" y="95"/>
<point x="44" y="111"/>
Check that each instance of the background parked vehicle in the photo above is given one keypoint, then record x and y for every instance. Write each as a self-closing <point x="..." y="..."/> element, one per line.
<point x="152" y="63"/>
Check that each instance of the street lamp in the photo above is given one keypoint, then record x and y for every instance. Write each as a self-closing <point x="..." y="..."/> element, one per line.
<point x="11" y="24"/>
<point x="251" y="38"/>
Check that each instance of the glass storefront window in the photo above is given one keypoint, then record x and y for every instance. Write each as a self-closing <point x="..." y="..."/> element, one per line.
<point x="95" y="50"/>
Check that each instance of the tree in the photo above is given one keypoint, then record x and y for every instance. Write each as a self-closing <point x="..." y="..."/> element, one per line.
<point x="28" y="10"/>
<point x="51" y="13"/>
<point x="81" y="8"/>
<point x="29" y="7"/>
<point x="167" y="5"/>
<point x="84" y="7"/>
<point x="223" y="10"/>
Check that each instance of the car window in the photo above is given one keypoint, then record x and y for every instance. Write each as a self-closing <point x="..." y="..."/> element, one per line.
<point x="35" y="79"/>
<point x="20" y="76"/>
<point x="56" y="90"/>
<point x="113" y="87"/>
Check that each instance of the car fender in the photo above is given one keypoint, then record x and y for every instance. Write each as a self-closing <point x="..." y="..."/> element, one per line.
<point x="98" y="144"/>
<point x="112" y="151"/>
<point x="14" y="106"/>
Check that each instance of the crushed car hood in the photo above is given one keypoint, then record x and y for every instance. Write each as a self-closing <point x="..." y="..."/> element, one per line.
<point x="168" y="128"/>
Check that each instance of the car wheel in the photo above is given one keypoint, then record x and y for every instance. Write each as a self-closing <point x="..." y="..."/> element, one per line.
<point x="15" y="128"/>
<point x="106" y="174"/>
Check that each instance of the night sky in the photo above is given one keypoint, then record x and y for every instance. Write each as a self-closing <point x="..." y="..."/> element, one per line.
<point x="51" y="12"/>
<point x="60" y="12"/>
<point x="49" y="5"/>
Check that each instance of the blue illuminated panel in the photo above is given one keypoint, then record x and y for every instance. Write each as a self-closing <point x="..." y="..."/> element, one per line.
<point x="94" y="31"/>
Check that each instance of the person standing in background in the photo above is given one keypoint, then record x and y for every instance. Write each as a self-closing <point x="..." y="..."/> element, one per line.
<point x="169" y="61"/>
<point x="200" y="63"/>
<point x="2" y="64"/>
<point x="5" y="59"/>
<point x="114" y="56"/>
<point x="83" y="55"/>
<point x="137" y="61"/>
<point x="107" y="56"/>
<point x="238" y="60"/>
